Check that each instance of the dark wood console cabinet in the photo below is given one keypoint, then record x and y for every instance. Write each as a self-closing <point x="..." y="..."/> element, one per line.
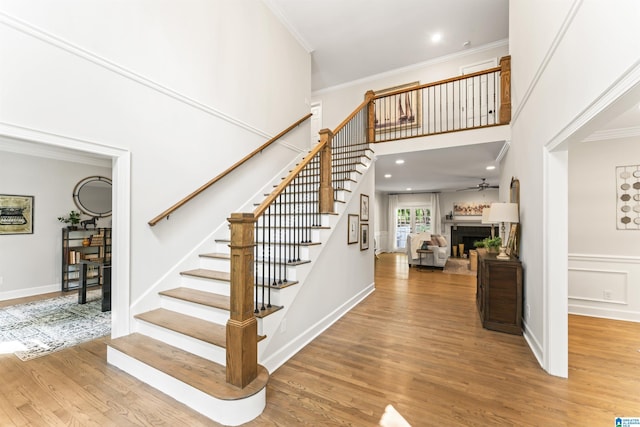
<point x="499" y="293"/>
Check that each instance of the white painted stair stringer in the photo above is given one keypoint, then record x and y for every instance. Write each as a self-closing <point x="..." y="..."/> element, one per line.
<point x="226" y="412"/>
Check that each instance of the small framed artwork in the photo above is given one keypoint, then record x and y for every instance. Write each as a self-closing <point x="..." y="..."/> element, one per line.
<point x="364" y="237"/>
<point x="512" y="242"/>
<point x="353" y="229"/>
<point x="16" y="214"/>
<point x="364" y="207"/>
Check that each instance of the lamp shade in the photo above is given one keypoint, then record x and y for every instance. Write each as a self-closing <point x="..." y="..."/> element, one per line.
<point x="504" y="212"/>
<point x="485" y="215"/>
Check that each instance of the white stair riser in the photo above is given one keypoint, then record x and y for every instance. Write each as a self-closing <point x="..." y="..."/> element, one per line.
<point x="218" y="264"/>
<point x="200" y="348"/>
<point x="210" y="314"/>
<point x="206" y="285"/>
<point x="226" y="412"/>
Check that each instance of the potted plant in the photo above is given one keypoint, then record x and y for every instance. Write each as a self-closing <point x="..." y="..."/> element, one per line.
<point x="491" y="245"/>
<point x="72" y="220"/>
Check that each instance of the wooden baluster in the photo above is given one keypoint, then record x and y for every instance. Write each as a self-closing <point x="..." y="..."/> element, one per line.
<point x="505" y="90"/>
<point x="326" y="187"/>
<point x="242" y="328"/>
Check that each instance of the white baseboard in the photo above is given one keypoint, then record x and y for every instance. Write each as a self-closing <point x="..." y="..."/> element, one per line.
<point x="534" y="344"/>
<point x="28" y="292"/>
<point x="604" y="313"/>
<point x="276" y="360"/>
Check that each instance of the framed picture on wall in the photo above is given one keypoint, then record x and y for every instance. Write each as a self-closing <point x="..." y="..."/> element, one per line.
<point x="352" y="229"/>
<point x="398" y="110"/>
<point x="364" y="207"/>
<point x="364" y="237"/>
<point x="16" y="214"/>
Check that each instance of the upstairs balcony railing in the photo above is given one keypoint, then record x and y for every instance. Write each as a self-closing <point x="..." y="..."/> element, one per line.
<point x="470" y="101"/>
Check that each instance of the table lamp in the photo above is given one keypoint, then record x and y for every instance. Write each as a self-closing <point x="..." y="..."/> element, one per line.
<point x="485" y="219"/>
<point x="501" y="213"/>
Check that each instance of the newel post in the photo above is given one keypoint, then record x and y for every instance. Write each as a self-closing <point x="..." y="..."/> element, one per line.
<point x="242" y="327"/>
<point x="505" y="90"/>
<point x="371" y="116"/>
<point x="326" y="202"/>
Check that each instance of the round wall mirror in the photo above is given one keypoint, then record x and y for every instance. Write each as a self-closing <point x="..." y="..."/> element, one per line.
<point x="92" y="196"/>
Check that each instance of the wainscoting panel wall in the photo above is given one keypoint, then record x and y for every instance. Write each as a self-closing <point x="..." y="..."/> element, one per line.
<point x="604" y="286"/>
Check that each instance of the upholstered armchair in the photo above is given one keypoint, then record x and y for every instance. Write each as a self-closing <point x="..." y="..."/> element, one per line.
<point x="435" y="243"/>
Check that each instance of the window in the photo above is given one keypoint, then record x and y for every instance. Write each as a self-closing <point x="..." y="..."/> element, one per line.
<point x="411" y="220"/>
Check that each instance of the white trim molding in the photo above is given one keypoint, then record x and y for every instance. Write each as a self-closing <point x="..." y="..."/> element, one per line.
<point x="606" y="286"/>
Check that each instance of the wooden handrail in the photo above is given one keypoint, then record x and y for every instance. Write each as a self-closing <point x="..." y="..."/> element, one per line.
<point x="173" y="208"/>
<point x="441" y="82"/>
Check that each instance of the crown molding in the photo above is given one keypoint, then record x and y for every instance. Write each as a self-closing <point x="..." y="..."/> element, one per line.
<point x="417" y="66"/>
<point x="602" y="135"/>
<point x="277" y="12"/>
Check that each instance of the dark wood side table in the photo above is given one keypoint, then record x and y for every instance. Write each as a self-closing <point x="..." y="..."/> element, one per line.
<point x="499" y="293"/>
<point x="423" y="252"/>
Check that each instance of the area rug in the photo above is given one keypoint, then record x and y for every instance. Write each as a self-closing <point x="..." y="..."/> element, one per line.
<point x="458" y="266"/>
<point x="39" y="328"/>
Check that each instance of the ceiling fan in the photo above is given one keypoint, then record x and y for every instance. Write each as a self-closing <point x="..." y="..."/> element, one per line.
<point x="483" y="185"/>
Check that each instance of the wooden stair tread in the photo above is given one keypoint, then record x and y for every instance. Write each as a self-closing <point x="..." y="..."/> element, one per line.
<point x="208" y="274"/>
<point x="202" y="374"/>
<point x="267" y="310"/>
<point x="202" y="330"/>
<point x="199" y="297"/>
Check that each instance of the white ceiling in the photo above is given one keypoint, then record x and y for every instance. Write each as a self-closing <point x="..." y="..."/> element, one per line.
<point x="354" y="39"/>
<point x="447" y="169"/>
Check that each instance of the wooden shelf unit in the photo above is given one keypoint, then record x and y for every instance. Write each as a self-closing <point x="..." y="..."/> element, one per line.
<point x="73" y="252"/>
<point x="499" y="293"/>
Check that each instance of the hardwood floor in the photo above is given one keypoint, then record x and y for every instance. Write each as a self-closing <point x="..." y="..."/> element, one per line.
<point x="416" y="343"/>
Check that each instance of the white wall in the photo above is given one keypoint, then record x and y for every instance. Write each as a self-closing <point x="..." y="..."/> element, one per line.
<point x="604" y="262"/>
<point x="30" y="263"/>
<point x="565" y="55"/>
<point x="186" y="88"/>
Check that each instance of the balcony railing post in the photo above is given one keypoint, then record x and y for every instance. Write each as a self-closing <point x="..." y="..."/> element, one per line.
<point x="325" y="197"/>
<point x="371" y="116"/>
<point x="505" y="90"/>
<point x="242" y="328"/>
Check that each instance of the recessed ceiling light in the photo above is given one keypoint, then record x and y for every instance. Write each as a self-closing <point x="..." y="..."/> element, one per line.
<point x="466" y="44"/>
<point x="490" y="168"/>
<point x="399" y="162"/>
<point x="387" y="175"/>
<point x="408" y="188"/>
<point x="436" y="37"/>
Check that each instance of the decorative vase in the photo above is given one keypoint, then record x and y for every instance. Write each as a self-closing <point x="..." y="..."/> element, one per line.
<point x="86" y="242"/>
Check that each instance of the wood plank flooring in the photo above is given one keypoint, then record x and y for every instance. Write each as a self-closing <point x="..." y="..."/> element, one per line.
<point x="416" y="343"/>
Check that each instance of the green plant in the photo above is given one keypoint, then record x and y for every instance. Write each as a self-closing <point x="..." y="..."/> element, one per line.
<point x="489" y="243"/>
<point x="73" y="218"/>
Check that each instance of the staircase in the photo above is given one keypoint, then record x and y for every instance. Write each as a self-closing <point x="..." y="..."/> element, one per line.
<point x="179" y="347"/>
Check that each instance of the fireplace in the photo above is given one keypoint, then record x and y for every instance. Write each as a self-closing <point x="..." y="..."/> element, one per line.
<point x="468" y="235"/>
